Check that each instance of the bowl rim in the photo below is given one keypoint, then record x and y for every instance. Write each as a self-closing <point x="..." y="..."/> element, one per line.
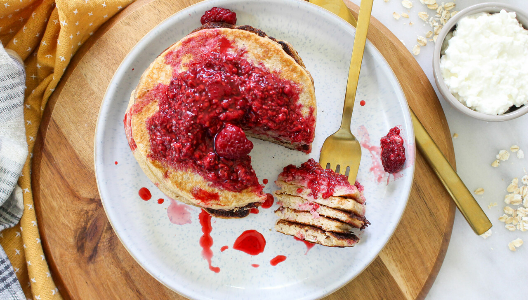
<point x="491" y="7"/>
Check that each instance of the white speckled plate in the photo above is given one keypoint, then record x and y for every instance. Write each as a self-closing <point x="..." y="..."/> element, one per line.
<point x="172" y="253"/>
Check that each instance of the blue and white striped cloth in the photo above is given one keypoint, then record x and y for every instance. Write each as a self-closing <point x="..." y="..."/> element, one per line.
<point x="13" y="154"/>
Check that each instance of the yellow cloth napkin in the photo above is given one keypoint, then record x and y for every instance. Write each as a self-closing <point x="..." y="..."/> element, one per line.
<point x="46" y="34"/>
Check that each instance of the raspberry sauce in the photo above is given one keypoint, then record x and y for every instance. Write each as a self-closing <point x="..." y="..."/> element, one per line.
<point x="269" y="201"/>
<point x="224" y="248"/>
<point x="250" y="241"/>
<point x="392" y="151"/>
<point x="255" y="265"/>
<point x="206" y="241"/>
<point x="277" y="259"/>
<point x="178" y="214"/>
<point x="308" y="244"/>
<point x="220" y="89"/>
<point x="145" y="194"/>
<point x="320" y="181"/>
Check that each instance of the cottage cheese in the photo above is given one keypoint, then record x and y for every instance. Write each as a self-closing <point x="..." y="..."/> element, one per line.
<point x="485" y="62"/>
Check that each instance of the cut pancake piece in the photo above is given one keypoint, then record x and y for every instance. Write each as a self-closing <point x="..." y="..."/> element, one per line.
<point x="316" y="235"/>
<point x="306" y="218"/>
<point x="316" y="209"/>
<point x="347" y="204"/>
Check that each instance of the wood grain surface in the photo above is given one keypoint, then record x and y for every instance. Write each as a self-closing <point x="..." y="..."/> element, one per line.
<point x="87" y="259"/>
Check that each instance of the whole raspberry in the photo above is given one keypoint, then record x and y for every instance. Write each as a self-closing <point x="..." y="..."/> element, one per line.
<point x="392" y="151"/>
<point x="231" y="142"/>
<point x="218" y="14"/>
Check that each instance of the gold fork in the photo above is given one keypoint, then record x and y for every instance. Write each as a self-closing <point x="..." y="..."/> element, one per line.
<point x="341" y="151"/>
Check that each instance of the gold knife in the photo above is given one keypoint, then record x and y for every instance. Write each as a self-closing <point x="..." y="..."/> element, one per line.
<point x="465" y="202"/>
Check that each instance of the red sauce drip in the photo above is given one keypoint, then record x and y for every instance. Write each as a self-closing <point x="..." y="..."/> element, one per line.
<point x="224" y="248"/>
<point x="250" y="241"/>
<point x="116" y="162"/>
<point x="132" y="69"/>
<point x="308" y="244"/>
<point x="204" y="195"/>
<point x="392" y="151"/>
<point x="160" y="201"/>
<point x="277" y="259"/>
<point x="206" y="241"/>
<point x="178" y="214"/>
<point x="269" y="201"/>
<point x="362" y="102"/>
<point x="254" y="210"/>
<point x="219" y="87"/>
<point x="375" y="152"/>
<point x="255" y="265"/>
<point x="145" y="194"/>
<point x="299" y="190"/>
<point x="320" y="181"/>
<point x="265" y="181"/>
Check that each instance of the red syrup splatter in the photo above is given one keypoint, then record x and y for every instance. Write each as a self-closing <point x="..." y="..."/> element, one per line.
<point x="254" y="210"/>
<point x="160" y="201"/>
<point x="179" y="214"/>
<point x="362" y="102"/>
<point x="224" y="248"/>
<point x="255" y="265"/>
<point x="206" y="241"/>
<point x="269" y="201"/>
<point x="145" y="194"/>
<point x="250" y="241"/>
<point x="308" y="244"/>
<point x="132" y="69"/>
<point x="265" y="181"/>
<point x="116" y="162"/>
<point x="277" y="259"/>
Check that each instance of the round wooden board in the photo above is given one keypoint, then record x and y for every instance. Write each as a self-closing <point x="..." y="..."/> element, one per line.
<point x="86" y="258"/>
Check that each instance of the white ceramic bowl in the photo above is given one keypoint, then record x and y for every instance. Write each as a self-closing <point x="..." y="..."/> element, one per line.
<point x="489" y="7"/>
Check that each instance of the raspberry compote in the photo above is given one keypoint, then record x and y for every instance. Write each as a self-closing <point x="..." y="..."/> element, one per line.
<point x="215" y="95"/>
<point x="392" y="151"/>
<point x="320" y="181"/>
<point x="218" y="14"/>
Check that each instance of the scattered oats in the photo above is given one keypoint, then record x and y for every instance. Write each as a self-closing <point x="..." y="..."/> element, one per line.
<point x="504" y="155"/>
<point x="428" y="35"/>
<point x="524" y="179"/>
<point x="523" y="212"/>
<point x="525" y="202"/>
<point x="432" y="6"/>
<point x="503" y="218"/>
<point x="422" y="41"/>
<point x="508" y="210"/>
<point x="407" y="4"/>
<point x="508" y="198"/>
<point x="435" y="37"/>
<point x="439" y="10"/>
<point x="512" y="247"/>
<point x="428" y="2"/>
<point x="396" y="15"/>
<point x="516" y="220"/>
<point x="416" y="50"/>
<point x="453" y="13"/>
<point x="514" y="148"/>
<point x="517" y="199"/>
<point x="523" y="226"/>
<point x="492" y="204"/>
<point x="510" y="227"/>
<point x="411" y="23"/>
<point x="520" y="154"/>
<point x="405" y="15"/>
<point x="486" y="234"/>
<point x="449" y="6"/>
<point x="509" y="220"/>
<point x="479" y="191"/>
<point x="517" y="242"/>
<point x="423" y="15"/>
<point x="513" y="185"/>
<point x="495" y="163"/>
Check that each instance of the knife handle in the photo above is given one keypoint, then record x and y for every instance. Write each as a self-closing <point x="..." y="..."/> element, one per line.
<point x="465" y="202"/>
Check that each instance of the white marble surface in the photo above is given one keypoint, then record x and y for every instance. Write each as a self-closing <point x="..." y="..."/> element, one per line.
<point x="473" y="268"/>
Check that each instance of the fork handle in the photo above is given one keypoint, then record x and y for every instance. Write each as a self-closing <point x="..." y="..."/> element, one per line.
<point x="465" y="202"/>
<point x="355" y="63"/>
